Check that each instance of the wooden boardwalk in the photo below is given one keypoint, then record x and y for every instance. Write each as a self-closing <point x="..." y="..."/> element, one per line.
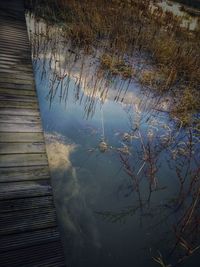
<point x="28" y="227"/>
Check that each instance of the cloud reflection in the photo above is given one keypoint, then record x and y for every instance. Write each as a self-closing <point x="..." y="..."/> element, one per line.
<point x="71" y="194"/>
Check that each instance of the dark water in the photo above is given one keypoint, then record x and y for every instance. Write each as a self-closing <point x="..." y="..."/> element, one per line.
<point x="92" y="188"/>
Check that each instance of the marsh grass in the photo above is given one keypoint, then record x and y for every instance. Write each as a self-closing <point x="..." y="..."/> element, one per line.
<point x="122" y="29"/>
<point x="187" y="106"/>
<point x="116" y="66"/>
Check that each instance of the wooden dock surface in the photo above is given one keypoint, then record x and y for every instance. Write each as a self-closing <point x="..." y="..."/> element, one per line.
<point x="28" y="226"/>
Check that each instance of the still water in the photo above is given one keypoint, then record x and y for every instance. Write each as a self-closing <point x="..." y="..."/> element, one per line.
<point x="106" y="213"/>
<point x="123" y="172"/>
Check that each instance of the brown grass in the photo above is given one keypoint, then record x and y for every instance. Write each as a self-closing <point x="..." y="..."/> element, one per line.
<point x="127" y="27"/>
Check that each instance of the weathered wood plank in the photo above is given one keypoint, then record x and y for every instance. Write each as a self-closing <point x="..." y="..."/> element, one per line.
<point x="19" y="111"/>
<point x="12" y="29"/>
<point x="8" y="30"/>
<point x="19" y="119"/>
<point x="13" y="36"/>
<point x="20" y="128"/>
<point x="21" y="148"/>
<point x="14" y="59"/>
<point x="8" y="64"/>
<point x="25" y="189"/>
<point x="11" y="40"/>
<point x="9" y="24"/>
<point x="25" y="204"/>
<point x="21" y="76"/>
<point x="9" y="35"/>
<point x="5" y="67"/>
<point x="38" y="237"/>
<point x="17" y="92"/>
<point x="26" y="173"/>
<point x="48" y="255"/>
<point x="15" y="71"/>
<point x="17" y="56"/>
<point x="21" y="137"/>
<point x="19" y="98"/>
<point x="14" y="44"/>
<point x="18" y="51"/>
<point x="17" y="86"/>
<point x="16" y="81"/>
<point x="13" y="51"/>
<point x="17" y="104"/>
<point x="23" y="160"/>
<point x="27" y="220"/>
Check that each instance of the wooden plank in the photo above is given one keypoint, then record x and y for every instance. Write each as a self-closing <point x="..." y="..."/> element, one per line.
<point x="17" y="86"/>
<point x="11" y="28"/>
<point x="21" y="137"/>
<point x="19" y="119"/>
<point x="38" y="237"/>
<point x="12" y="23"/>
<point x="25" y="189"/>
<point x="7" y="64"/>
<point x="14" y="59"/>
<point x="20" y="76"/>
<point x="12" y="50"/>
<point x="11" y="62"/>
<point x="13" y="42"/>
<point x="10" y="35"/>
<point x="25" y="204"/>
<point x="17" y="56"/>
<point x="13" y="36"/>
<point x="18" y="92"/>
<point x="45" y="255"/>
<point x="23" y="160"/>
<point x="21" y="148"/>
<point x="17" y="104"/>
<point x="8" y="30"/>
<point x="12" y="39"/>
<point x="13" y="47"/>
<point x="20" y="128"/>
<point x="27" y="220"/>
<point x="16" y="97"/>
<point x="8" y="24"/>
<point x="17" y="71"/>
<point x="19" y="111"/>
<point x="15" y="80"/>
<point x="5" y="67"/>
<point x="16" y="77"/>
<point x="26" y="173"/>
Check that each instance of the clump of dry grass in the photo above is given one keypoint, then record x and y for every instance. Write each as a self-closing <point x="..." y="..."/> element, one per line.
<point x="116" y="66"/>
<point x="187" y="105"/>
<point x="153" y="78"/>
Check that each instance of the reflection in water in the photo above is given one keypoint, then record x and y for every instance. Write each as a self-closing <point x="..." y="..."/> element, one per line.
<point x="70" y="196"/>
<point x="115" y="155"/>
